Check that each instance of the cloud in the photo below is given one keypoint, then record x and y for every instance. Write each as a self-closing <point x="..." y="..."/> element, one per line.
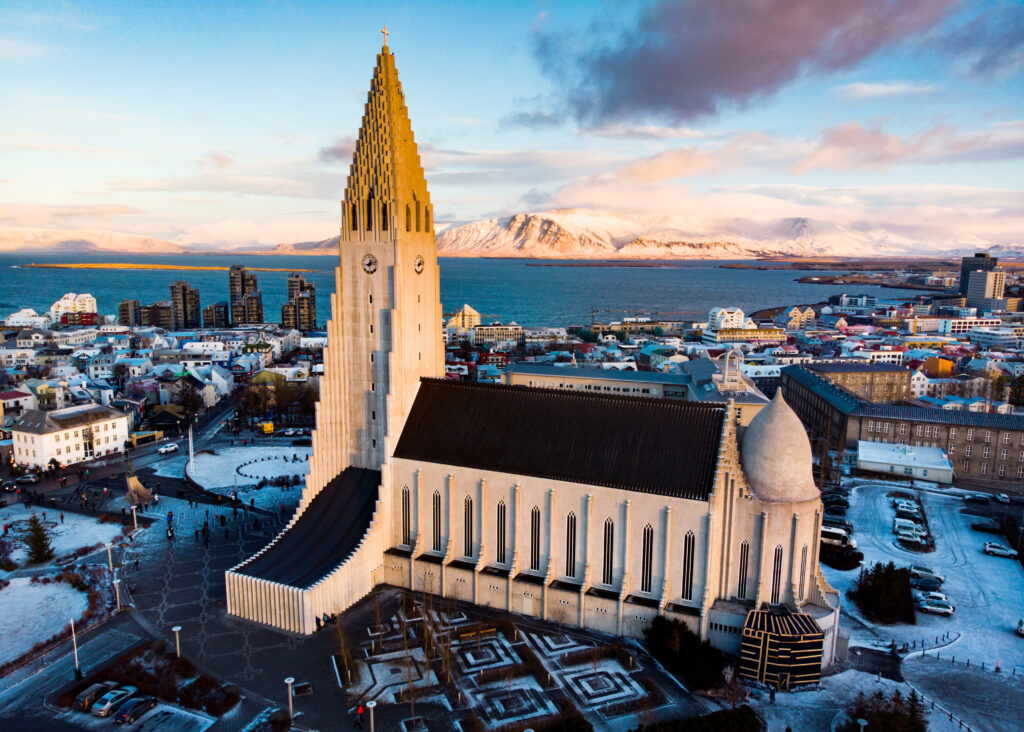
<point x="864" y="91"/>
<point x="536" y="119"/>
<point x="88" y="151"/>
<point x="990" y="43"/>
<point x="686" y="59"/>
<point x="341" y="150"/>
<point x="216" y="161"/>
<point x="855" y="147"/>
<point x="62" y="216"/>
<point x="642" y="132"/>
<point x="248" y="232"/>
<point x="12" y="49"/>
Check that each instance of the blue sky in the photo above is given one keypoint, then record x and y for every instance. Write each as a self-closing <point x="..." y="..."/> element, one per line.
<point x="226" y="123"/>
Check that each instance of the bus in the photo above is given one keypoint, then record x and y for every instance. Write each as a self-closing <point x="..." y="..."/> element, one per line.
<point x="837" y="537"/>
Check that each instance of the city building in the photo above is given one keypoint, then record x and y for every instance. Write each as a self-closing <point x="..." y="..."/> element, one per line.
<point x="27" y="318"/>
<point x="465" y="319"/>
<point x="873" y="382"/>
<point x="979" y="262"/>
<point x="185" y="310"/>
<point x="728" y="318"/>
<point x="753" y="336"/>
<point x="904" y="461"/>
<point x="159" y="315"/>
<point x="217" y="315"/>
<point x="129" y="313"/>
<point x="490" y="335"/>
<point x="299" y="311"/>
<point x="70" y="435"/>
<point x="601" y="510"/>
<point x="250" y="308"/>
<point x="241" y="282"/>
<point x="72" y="303"/>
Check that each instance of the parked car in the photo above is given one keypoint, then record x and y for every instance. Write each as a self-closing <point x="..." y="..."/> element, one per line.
<point x="928" y="584"/>
<point x="87" y="698"/>
<point x="9" y="486"/>
<point x="1002" y="498"/>
<point x="838" y="523"/>
<point x="920" y="595"/>
<point x="302" y="442"/>
<point x="107" y="704"/>
<point x="935" y="606"/>
<point x="133" y="709"/>
<point x="909" y="515"/>
<point x="172" y="447"/>
<point x="834" y="512"/>
<point x="27" y="478"/>
<point x="979" y="498"/>
<point x="919" y="571"/>
<point x="1020" y="627"/>
<point x="989" y="526"/>
<point x="835" y="501"/>
<point x="911" y="537"/>
<point x="998" y="550"/>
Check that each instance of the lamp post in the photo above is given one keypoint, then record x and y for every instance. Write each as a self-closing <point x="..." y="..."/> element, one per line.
<point x="117" y="592"/>
<point x="135" y="519"/>
<point x="74" y="642"/>
<point x="862" y="723"/>
<point x="290" y="680"/>
<point x="177" y="640"/>
<point x="110" y="561"/>
<point x="370" y="705"/>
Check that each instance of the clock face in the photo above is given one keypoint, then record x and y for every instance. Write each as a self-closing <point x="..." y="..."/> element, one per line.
<point x="418" y="266"/>
<point x="369" y="264"/>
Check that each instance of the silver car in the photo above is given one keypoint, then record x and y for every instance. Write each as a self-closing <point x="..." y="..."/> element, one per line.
<point x="109" y="702"/>
<point x="998" y="550"/>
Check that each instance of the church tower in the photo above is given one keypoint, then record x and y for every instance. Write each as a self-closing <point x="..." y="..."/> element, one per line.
<point x="385" y="331"/>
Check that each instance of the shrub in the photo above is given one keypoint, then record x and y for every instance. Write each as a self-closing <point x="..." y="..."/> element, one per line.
<point x="896" y="713"/>
<point x="684" y="654"/>
<point x="841" y="558"/>
<point x="883" y="594"/>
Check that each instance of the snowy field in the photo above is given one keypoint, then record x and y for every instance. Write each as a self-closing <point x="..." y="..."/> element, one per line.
<point x="987" y="592"/>
<point x="73" y="533"/>
<point x="242" y="466"/>
<point x="35" y="612"/>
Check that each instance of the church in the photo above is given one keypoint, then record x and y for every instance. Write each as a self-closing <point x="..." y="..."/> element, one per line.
<point x="592" y="510"/>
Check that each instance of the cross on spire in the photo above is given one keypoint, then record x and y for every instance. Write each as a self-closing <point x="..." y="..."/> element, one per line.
<point x="384" y="31"/>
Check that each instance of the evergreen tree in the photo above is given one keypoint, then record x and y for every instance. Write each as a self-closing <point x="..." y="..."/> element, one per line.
<point x="38" y="541"/>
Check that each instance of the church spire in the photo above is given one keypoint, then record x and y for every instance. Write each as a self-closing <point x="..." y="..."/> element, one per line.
<point x="386" y="190"/>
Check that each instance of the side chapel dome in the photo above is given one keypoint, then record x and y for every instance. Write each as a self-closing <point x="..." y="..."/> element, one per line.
<point x="776" y="455"/>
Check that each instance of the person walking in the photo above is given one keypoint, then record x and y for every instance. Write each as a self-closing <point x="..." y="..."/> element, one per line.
<point x="62" y="518"/>
<point x="359" y="717"/>
<point x="771" y="696"/>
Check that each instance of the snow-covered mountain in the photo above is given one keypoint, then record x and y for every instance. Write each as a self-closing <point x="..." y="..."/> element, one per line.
<point x="587" y="234"/>
<point x="25" y="240"/>
<point x="326" y="246"/>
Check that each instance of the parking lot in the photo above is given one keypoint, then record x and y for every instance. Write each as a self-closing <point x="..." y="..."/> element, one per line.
<point x="160" y="718"/>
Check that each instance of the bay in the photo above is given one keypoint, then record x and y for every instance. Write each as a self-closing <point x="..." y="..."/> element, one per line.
<point x="504" y="289"/>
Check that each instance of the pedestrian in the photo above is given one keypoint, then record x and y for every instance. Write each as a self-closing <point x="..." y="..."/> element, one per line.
<point x="44" y="515"/>
<point x="137" y="559"/>
<point x="104" y="491"/>
<point x="771" y="696"/>
<point x="359" y="716"/>
<point x="123" y="512"/>
<point x="197" y="536"/>
<point x="234" y="512"/>
<point x="62" y="517"/>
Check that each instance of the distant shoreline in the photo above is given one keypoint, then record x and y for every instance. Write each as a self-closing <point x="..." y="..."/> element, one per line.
<point x="130" y="265"/>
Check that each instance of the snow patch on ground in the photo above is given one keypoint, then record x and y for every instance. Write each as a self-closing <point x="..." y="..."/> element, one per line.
<point x="35" y="612"/>
<point x="241" y="466"/>
<point x="73" y="533"/>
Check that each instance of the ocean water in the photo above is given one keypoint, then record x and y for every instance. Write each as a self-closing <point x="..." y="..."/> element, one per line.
<point x="505" y="289"/>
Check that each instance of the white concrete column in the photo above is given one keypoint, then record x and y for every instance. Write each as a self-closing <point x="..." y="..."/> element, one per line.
<point x="794" y="537"/>
<point x="762" y="557"/>
<point x="666" y="563"/>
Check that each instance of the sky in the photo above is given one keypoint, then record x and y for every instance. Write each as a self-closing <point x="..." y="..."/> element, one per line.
<point x="227" y="124"/>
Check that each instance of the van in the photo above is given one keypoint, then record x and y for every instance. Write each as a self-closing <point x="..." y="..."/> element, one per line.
<point x="905" y="525"/>
<point x="87" y="698"/>
<point x="837" y="537"/>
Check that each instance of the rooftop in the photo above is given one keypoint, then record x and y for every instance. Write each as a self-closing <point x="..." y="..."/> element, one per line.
<point x="39" y="422"/>
<point x="834" y="367"/>
<point x="903" y="455"/>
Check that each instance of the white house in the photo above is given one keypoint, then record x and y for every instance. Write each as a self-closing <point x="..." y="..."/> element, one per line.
<point x="67" y="436"/>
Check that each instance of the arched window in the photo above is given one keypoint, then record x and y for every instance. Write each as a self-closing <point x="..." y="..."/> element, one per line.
<point x="609" y="549"/>
<point x="647" y="560"/>
<point x="741" y="589"/>
<point x="501" y="532"/>
<point x="418" y="207"/>
<point x="570" y="545"/>
<point x="803" y="571"/>
<point x="777" y="574"/>
<point x="437" y="521"/>
<point x="535" y="539"/>
<point x="383" y="217"/>
<point x="354" y="216"/>
<point x="689" y="547"/>
<point x="405" y="516"/>
<point x="469" y="527"/>
<point x="426" y="215"/>
<point x="369" y="211"/>
<point x="408" y="217"/>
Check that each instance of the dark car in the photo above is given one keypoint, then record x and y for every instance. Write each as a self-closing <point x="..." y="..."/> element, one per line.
<point x="302" y="442"/>
<point x="908" y="515"/>
<point x="834" y="500"/>
<point x="835" y="512"/>
<point x="838" y="523"/>
<point x="28" y="478"/>
<point x="928" y="584"/>
<point x="978" y="498"/>
<point x="87" y="698"/>
<point x="9" y="486"/>
<point x="133" y="709"/>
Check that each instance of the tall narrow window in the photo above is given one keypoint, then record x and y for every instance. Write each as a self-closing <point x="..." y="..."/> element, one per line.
<point x="570" y="545"/>
<point x="418" y="207"/>
<point x="426" y="216"/>
<point x="469" y="526"/>
<point x="803" y="570"/>
<point x="354" y="216"/>
<point x="609" y="549"/>
<point x="777" y="574"/>
<point x="689" y="546"/>
<point x="501" y="532"/>
<point x="408" y="218"/>
<point x="437" y="521"/>
<point x="535" y="539"/>
<point x="383" y="217"/>
<point x="405" y="516"/>
<point x="369" y="211"/>
<point x="741" y="588"/>
<point x="648" y="555"/>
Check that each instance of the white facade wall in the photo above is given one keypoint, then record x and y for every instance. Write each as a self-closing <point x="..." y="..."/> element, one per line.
<point x="69" y="446"/>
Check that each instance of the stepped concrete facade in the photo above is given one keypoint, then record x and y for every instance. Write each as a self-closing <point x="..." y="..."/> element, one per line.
<point x="599" y="511"/>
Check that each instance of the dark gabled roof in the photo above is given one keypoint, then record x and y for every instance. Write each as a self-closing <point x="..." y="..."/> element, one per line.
<point x="838" y="397"/>
<point x="664" y="446"/>
<point x="843" y="367"/>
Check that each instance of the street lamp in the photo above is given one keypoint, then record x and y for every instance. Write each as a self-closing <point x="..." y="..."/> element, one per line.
<point x="110" y="561"/>
<point x="370" y="705"/>
<point x="135" y="519"/>
<point x="74" y="642"/>
<point x="177" y="640"/>
<point x="290" y="680"/>
<point x="862" y="723"/>
<point x="117" y="592"/>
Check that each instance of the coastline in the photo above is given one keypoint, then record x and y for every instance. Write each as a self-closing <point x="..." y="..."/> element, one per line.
<point x="132" y="265"/>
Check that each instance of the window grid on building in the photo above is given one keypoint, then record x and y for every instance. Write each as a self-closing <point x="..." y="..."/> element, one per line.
<point x="570" y="545"/>
<point x="609" y="548"/>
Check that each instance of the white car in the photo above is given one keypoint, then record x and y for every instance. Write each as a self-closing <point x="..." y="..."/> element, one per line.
<point x="936" y="606"/>
<point x="924" y="595"/>
<point x="109" y="702"/>
<point x="919" y="571"/>
<point x="1002" y="498"/>
<point x="998" y="550"/>
<point x="173" y="447"/>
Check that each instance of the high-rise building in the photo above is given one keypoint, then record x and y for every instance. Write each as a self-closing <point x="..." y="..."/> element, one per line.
<point x="300" y="310"/>
<point x="250" y="309"/>
<point x="241" y="283"/>
<point x="979" y="261"/>
<point x="159" y="314"/>
<point x="986" y="289"/>
<point x="216" y="315"/>
<point x="129" y="313"/>
<point x="185" y="306"/>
